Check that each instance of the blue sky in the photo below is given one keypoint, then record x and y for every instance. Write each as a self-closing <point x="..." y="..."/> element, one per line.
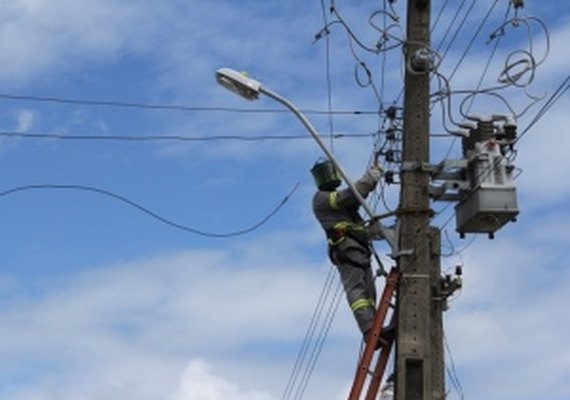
<point x="101" y="301"/>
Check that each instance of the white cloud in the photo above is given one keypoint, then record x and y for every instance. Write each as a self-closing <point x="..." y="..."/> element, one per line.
<point x="506" y="332"/>
<point x="199" y="383"/>
<point x="126" y="330"/>
<point x="26" y="119"/>
<point x="38" y="36"/>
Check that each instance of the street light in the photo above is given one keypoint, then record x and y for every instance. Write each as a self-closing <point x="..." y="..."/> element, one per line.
<point x="250" y="89"/>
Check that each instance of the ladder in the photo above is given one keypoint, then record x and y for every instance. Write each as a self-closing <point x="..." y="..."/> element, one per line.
<point x="363" y="370"/>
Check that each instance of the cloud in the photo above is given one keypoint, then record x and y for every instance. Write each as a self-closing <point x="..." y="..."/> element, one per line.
<point x="26" y="119"/>
<point x="37" y="37"/>
<point x="199" y="383"/>
<point x="508" y="317"/>
<point x="126" y="330"/>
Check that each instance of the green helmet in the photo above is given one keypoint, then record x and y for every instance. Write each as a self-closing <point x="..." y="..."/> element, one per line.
<point x="325" y="175"/>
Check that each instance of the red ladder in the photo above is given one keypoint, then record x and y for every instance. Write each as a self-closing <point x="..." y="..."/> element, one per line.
<point x="386" y="345"/>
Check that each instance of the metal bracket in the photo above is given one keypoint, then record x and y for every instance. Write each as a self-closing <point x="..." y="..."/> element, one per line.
<point x="414" y="166"/>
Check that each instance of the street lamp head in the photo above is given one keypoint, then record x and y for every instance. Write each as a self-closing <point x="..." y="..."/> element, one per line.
<point x="238" y="83"/>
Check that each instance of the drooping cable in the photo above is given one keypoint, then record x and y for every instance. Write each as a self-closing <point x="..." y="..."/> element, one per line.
<point x="328" y="77"/>
<point x="150" y="213"/>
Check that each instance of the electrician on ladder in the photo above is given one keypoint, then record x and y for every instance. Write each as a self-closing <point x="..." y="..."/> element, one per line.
<point x="348" y="238"/>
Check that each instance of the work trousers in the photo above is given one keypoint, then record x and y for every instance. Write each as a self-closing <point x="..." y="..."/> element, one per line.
<point x="353" y="263"/>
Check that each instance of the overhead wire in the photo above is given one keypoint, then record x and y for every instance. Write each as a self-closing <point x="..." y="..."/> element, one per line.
<point x="170" y="137"/>
<point x="317" y="330"/>
<point x="319" y="343"/>
<point x="478" y="91"/>
<point x="553" y="99"/>
<point x="473" y="38"/>
<point x="328" y="78"/>
<point x="309" y="335"/>
<point x="168" y="107"/>
<point x="173" y="224"/>
<point x="452" y="372"/>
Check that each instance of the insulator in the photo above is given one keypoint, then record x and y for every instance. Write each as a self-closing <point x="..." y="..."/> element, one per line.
<point x="518" y="3"/>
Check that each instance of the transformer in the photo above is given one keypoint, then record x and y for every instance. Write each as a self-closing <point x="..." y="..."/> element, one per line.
<point x="483" y="180"/>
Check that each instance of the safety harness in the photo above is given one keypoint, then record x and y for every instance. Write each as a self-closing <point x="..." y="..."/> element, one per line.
<point x="343" y="229"/>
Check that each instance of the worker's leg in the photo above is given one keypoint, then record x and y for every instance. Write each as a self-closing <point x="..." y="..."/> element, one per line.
<point x="356" y="276"/>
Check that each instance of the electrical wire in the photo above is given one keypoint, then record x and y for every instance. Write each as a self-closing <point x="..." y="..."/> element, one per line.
<point x="328" y="78"/>
<point x="452" y="372"/>
<point x="459" y="28"/>
<point x="473" y="38"/>
<point x="557" y="95"/>
<point x="172" y="107"/>
<point x="309" y="335"/>
<point x="150" y="213"/>
<point x="319" y="343"/>
<point x="167" y="137"/>
<point x="450" y="26"/>
<point x="440" y="13"/>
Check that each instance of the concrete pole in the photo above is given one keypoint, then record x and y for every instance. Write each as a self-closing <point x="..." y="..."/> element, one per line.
<point x="419" y="350"/>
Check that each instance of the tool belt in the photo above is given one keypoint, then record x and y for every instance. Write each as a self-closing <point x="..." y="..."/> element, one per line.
<point x="344" y="229"/>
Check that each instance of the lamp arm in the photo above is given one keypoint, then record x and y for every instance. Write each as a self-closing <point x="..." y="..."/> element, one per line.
<point x="387" y="235"/>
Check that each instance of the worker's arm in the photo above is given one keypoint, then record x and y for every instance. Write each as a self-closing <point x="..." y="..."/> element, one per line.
<point x="366" y="184"/>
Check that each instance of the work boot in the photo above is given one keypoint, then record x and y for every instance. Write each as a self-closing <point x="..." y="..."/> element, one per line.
<point x="387" y="334"/>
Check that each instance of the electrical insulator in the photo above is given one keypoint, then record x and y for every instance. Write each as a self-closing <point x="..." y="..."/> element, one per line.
<point x="518" y="4"/>
<point x="421" y="61"/>
<point x="391" y="112"/>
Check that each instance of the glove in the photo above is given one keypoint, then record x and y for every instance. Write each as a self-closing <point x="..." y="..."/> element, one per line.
<point x="376" y="172"/>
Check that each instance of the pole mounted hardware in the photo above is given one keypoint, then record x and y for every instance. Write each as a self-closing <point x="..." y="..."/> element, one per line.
<point x="482" y="181"/>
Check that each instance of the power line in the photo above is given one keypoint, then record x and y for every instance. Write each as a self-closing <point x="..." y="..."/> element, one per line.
<point x="165" y="137"/>
<point x="328" y="76"/>
<point x="557" y="95"/>
<point x="152" y="214"/>
<point x="170" y="107"/>
<point x="309" y="335"/>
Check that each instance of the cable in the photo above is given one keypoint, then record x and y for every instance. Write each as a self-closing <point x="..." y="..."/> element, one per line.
<point x="319" y="344"/>
<point x="456" y="34"/>
<point x="454" y="378"/>
<point x="478" y="30"/>
<point x="309" y="335"/>
<point x="174" y="107"/>
<point x="562" y="88"/>
<point x="450" y="26"/>
<point x="328" y="77"/>
<point x="181" y="138"/>
<point x="439" y="16"/>
<point x="147" y="211"/>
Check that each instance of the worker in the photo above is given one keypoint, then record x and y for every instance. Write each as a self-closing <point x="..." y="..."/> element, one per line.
<point x="348" y="238"/>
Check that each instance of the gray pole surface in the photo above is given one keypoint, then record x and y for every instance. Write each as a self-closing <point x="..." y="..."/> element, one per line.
<point x="419" y="350"/>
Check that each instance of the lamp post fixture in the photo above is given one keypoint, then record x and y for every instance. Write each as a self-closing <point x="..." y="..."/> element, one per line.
<point x="250" y="89"/>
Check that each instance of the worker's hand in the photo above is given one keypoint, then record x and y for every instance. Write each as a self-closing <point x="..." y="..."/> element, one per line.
<point x="376" y="171"/>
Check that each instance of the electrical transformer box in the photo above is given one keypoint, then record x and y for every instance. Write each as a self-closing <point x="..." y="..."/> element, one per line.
<point x="482" y="181"/>
<point x="491" y="202"/>
<point x="486" y="209"/>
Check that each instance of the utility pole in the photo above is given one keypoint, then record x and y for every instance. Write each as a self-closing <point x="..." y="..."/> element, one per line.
<point x="419" y="343"/>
